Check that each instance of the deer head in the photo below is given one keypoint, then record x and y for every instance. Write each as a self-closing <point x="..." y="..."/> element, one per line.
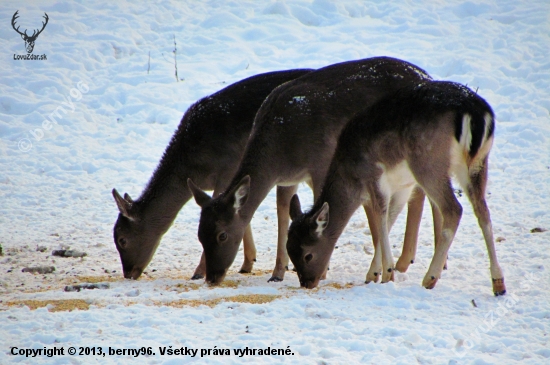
<point x="29" y="40"/>
<point x="136" y="239"/>
<point x="309" y="248"/>
<point x="221" y="227"/>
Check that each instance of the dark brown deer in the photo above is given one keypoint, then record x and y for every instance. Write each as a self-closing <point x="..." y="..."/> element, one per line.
<point x="421" y="135"/>
<point x="29" y="40"/>
<point x="207" y="147"/>
<point x="293" y="139"/>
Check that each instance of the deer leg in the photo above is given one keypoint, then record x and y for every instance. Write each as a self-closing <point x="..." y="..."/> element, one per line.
<point x="284" y="194"/>
<point x="382" y="214"/>
<point x="396" y="204"/>
<point x="375" y="270"/>
<point x="380" y="211"/>
<point x="200" y="271"/>
<point x="476" y="193"/>
<point x="440" y="192"/>
<point x="249" y="251"/>
<point x="414" y="215"/>
<point x="438" y="227"/>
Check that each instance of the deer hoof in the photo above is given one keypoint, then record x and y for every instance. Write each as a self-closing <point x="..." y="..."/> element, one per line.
<point x="197" y="277"/>
<point x="372" y="276"/>
<point x="275" y="279"/>
<point x="387" y="276"/>
<point x="429" y="282"/>
<point x="246" y="267"/>
<point x="403" y="265"/>
<point x="498" y="287"/>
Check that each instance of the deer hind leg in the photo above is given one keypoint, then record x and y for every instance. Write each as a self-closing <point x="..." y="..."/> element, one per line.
<point x="414" y="216"/>
<point x="440" y="192"/>
<point x="284" y="194"/>
<point x="438" y="227"/>
<point x="476" y="194"/>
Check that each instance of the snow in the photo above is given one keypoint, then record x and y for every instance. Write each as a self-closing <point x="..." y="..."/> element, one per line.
<point x="110" y="66"/>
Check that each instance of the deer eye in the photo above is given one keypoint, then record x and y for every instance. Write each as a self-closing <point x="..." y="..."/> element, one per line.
<point x="308" y="257"/>
<point x="222" y="237"/>
<point x="122" y="242"/>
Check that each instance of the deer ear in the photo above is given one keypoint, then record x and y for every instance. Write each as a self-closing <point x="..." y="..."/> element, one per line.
<point x="239" y="194"/>
<point x="321" y="219"/>
<point x="124" y="205"/>
<point x="295" y="207"/>
<point x="200" y="196"/>
<point x="128" y="198"/>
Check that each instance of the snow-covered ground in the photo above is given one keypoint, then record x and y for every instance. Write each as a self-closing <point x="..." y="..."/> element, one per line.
<point x="110" y="66"/>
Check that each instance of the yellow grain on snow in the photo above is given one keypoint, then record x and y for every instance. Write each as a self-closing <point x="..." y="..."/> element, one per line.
<point x="57" y="305"/>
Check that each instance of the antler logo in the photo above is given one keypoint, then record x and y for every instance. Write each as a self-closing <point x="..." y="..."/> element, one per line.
<point x="29" y="40"/>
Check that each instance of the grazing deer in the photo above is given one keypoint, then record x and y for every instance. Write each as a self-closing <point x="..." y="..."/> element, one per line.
<point x="420" y="135"/>
<point x="293" y="139"/>
<point x="207" y="147"/>
<point x="29" y="39"/>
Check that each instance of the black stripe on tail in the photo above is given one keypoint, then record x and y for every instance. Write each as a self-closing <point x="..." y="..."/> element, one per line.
<point x="481" y="126"/>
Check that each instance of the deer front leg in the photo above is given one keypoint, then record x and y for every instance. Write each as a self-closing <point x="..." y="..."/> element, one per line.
<point x="397" y="203"/>
<point x="380" y="218"/>
<point x="249" y="251"/>
<point x="284" y="194"/>
<point x="200" y="271"/>
<point x="414" y="216"/>
<point x="375" y="269"/>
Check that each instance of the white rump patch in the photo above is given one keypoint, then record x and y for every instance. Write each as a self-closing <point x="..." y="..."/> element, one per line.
<point x="488" y="121"/>
<point x="466" y="136"/>
<point x="459" y="165"/>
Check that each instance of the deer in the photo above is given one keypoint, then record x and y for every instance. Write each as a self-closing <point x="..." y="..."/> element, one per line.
<point x="293" y="139"/>
<point x="29" y="40"/>
<point x="421" y="135"/>
<point x="207" y="147"/>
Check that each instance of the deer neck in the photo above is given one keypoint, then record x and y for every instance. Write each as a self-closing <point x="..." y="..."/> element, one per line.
<point x="343" y="198"/>
<point x="167" y="191"/>
<point x="161" y="202"/>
